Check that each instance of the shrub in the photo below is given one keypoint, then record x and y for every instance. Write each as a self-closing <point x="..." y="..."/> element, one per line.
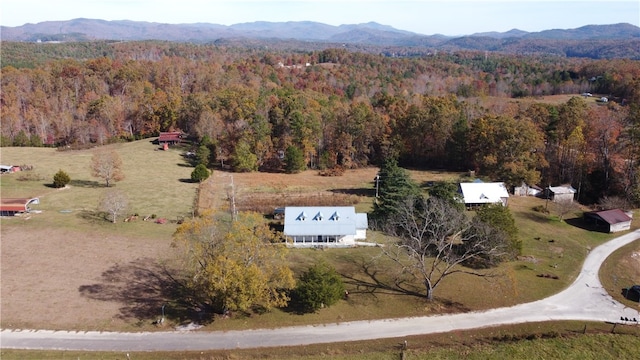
<point x="318" y="287"/>
<point x="60" y="179"/>
<point x="200" y="173"/>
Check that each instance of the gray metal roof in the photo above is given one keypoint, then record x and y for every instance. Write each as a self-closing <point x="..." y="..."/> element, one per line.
<point x="322" y="220"/>
<point x="563" y="189"/>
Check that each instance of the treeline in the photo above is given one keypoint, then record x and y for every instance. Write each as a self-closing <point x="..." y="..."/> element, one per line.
<point x="258" y="110"/>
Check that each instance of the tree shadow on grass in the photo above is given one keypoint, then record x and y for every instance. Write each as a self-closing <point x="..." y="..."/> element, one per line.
<point x="356" y="191"/>
<point x="86" y="183"/>
<point x="373" y="283"/>
<point x="94" y="216"/>
<point x="143" y="287"/>
<point x="535" y="216"/>
<point x="188" y="181"/>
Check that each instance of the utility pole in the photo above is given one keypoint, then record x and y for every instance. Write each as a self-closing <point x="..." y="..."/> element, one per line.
<point x="231" y="194"/>
<point x="377" y="184"/>
<point x="546" y="203"/>
<point x="233" y="200"/>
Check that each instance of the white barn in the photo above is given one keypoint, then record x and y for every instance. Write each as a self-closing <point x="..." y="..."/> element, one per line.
<point x="332" y="226"/>
<point x="481" y="193"/>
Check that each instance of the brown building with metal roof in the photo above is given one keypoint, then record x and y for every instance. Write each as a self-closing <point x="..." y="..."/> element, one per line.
<point x="613" y="220"/>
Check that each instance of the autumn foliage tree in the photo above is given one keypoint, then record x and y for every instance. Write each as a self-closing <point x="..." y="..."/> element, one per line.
<point x="234" y="265"/>
<point x="507" y="149"/>
<point x="107" y="165"/>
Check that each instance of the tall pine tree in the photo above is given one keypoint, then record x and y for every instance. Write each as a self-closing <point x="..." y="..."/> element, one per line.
<point x="393" y="186"/>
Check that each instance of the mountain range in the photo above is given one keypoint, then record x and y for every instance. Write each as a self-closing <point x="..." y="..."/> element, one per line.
<point x="599" y="41"/>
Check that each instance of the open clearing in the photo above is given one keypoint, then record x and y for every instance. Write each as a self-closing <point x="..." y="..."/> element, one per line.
<point x="68" y="269"/>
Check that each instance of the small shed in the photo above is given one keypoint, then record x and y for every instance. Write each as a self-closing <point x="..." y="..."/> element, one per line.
<point x="610" y="221"/>
<point x="526" y="190"/>
<point x="16" y="206"/>
<point x="560" y="193"/>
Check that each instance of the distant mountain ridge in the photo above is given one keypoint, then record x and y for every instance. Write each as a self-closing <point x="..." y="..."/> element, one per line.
<point x="621" y="40"/>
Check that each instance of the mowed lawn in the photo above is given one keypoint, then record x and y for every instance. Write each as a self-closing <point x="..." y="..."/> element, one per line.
<point x="66" y="269"/>
<point x="156" y="181"/>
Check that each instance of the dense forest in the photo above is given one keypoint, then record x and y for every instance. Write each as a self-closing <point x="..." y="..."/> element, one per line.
<point x="255" y="108"/>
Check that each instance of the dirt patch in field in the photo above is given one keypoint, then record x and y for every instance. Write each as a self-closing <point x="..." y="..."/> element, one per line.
<point x="270" y="190"/>
<point x="59" y="279"/>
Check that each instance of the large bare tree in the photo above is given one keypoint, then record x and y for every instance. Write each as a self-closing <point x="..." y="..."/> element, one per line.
<point x="114" y="202"/>
<point x="107" y="165"/>
<point x="437" y="240"/>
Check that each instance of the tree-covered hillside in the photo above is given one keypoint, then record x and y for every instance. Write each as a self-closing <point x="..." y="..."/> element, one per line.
<point x="339" y="108"/>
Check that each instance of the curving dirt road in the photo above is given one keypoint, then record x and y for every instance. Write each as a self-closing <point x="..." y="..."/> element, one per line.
<point x="585" y="299"/>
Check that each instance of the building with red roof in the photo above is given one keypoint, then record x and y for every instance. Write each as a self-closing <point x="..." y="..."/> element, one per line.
<point x="15" y="206"/>
<point x="610" y="221"/>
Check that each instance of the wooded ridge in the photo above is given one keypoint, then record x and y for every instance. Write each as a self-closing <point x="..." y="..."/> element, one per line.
<point x="593" y="41"/>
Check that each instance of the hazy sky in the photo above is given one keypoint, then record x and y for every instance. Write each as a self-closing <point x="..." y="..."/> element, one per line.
<point x="452" y="17"/>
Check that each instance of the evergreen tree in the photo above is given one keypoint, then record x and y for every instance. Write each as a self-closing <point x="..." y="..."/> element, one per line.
<point x="203" y="155"/>
<point x="21" y="139"/>
<point x="500" y="218"/>
<point x="60" y="179"/>
<point x="35" y="141"/>
<point x="447" y="191"/>
<point x="200" y="173"/>
<point x="393" y="186"/>
<point x="294" y="160"/>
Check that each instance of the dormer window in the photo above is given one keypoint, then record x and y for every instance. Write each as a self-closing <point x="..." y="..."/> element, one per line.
<point x="302" y="216"/>
<point x="318" y="217"/>
<point x="335" y="216"/>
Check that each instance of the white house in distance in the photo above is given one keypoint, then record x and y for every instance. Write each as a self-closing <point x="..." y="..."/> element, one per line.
<point x="481" y="193"/>
<point x="332" y="226"/>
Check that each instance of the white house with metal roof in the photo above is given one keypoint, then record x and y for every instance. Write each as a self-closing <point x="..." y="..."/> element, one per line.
<point x="481" y="193"/>
<point x="332" y="226"/>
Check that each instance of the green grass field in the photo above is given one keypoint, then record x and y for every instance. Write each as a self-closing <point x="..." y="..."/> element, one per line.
<point x="155" y="183"/>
